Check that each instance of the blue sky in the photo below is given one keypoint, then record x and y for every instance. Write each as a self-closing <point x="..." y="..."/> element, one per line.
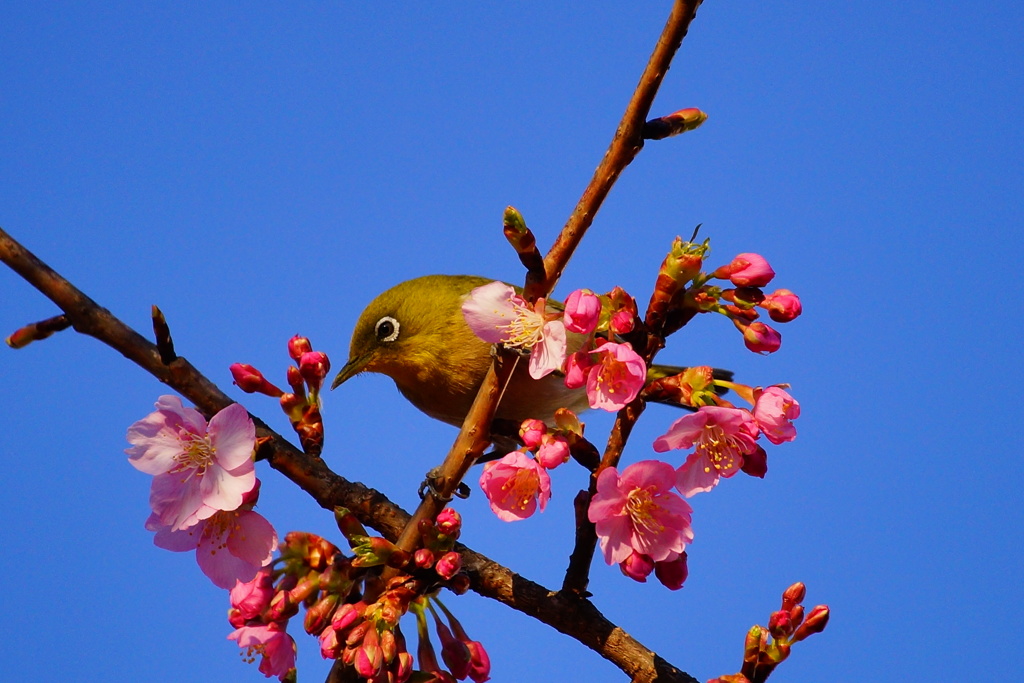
<point x="259" y="172"/>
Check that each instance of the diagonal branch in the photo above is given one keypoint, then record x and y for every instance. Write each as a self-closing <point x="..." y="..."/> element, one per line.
<point x="577" y="618"/>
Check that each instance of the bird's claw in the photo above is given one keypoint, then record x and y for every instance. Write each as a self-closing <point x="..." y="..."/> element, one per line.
<point x="429" y="487"/>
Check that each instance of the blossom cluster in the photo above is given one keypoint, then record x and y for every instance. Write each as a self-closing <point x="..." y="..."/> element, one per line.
<point x="568" y="341"/>
<point x="641" y="518"/>
<point x="204" y="488"/>
<point x="352" y="611"/>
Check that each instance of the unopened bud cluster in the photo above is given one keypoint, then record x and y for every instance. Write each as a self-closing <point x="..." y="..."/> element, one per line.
<point x="351" y="609"/>
<point x="767" y="647"/>
<point x="302" y="403"/>
<point x="683" y="290"/>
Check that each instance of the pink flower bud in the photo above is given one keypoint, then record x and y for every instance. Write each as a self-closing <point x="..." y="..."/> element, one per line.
<point x="251" y="381"/>
<point x="582" y="310"/>
<point x="622" y="322"/>
<point x="346" y="615"/>
<point x="531" y="432"/>
<point x="780" y="624"/>
<point x="449" y="522"/>
<point x="480" y="663"/>
<point x="747" y="270"/>
<point x="782" y="305"/>
<point x="623" y="311"/>
<point x="453" y="651"/>
<point x="330" y="648"/>
<point x="760" y="338"/>
<point x="423" y="558"/>
<point x="672" y="573"/>
<point x="755" y="464"/>
<point x="297" y="346"/>
<point x="816" y="621"/>
<point x="369" y="657"/>
<point x="637" y="566"/>
<point x="449" y="565"/>
<point x="314" y="366"/>
<point x="553" y="452"/>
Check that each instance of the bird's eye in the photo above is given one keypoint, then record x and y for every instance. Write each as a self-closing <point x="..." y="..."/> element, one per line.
<point x="386" y="329"/>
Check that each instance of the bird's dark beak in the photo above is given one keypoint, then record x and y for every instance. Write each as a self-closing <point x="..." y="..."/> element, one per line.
<point x="352" y="368"/>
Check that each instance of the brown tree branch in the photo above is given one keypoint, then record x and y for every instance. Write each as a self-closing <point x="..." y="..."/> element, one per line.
<point x="575" y="617"/>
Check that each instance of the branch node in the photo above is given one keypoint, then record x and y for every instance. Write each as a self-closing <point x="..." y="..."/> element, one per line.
<point x="162" y="334"/>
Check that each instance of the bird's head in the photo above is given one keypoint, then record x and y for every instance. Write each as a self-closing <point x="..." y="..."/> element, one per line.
<point x="408" y="331"/>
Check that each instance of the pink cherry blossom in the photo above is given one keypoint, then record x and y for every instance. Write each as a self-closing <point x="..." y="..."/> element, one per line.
<point x="515" y="486"/>
<point x="197" y="468"/>
<point x="722" y="436"/>
<point x="761" y="338"/>
<point x="782" y="305"/>
<point x="230" y="546"/>
<point x="747" y="270"/>
<point x="639" y="512"/>
<point x="582" y="310"/>
<point x="276" y="647"/>
<point x="498" y="315"/>
<point x="775" y="410"/>
<point x="617" y="378"/>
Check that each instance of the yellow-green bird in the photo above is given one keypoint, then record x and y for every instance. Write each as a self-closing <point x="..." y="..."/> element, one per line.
<point x="415" y="334"/>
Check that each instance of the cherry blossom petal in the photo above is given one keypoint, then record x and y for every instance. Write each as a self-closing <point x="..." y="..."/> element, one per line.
<point x="696" y="475"/>
<point x="253" y="539"/>
<point x="233" y="435"/>
<point x="488" y="311"/>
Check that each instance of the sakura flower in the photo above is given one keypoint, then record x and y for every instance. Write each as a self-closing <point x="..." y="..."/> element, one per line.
<point x="197" y="468"/>
<point x="617" y="378"/>
<point x="638" y="512"/>
<point x="515" y="486"/>
<point x="775" y="410"/>
<point x="230" y="546"/>
<point x="498" y="315"/>
<point x="721" y="437"/>
<point x="582" y="311"/>
<point x="276" y="647"/>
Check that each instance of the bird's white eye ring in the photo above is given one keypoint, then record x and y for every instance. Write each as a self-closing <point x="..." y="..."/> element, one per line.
<point x="386" y="329"/>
